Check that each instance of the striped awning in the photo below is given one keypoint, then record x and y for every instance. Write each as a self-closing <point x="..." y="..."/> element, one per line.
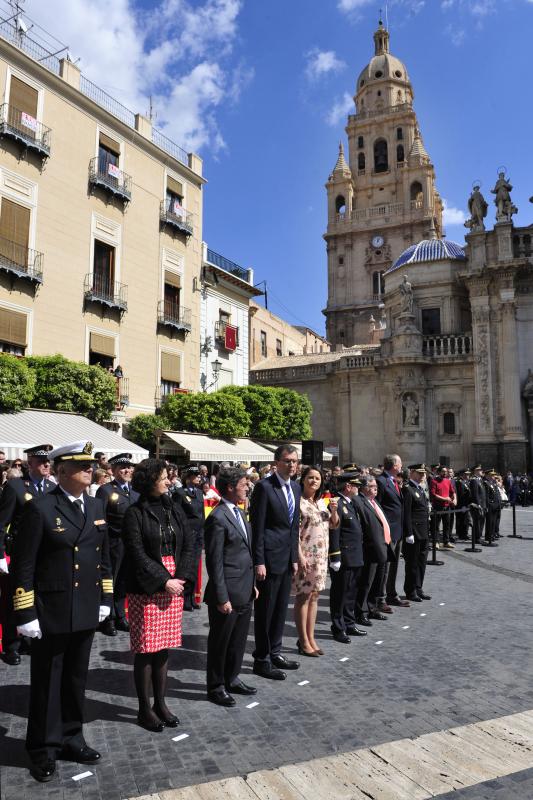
<point x="200" y="447"/>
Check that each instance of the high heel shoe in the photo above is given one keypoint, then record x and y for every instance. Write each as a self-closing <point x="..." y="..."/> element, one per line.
<point x="169" y="721"/>
<point x="151" y="725"/>
<point x="319" y="651"/>
<point x="303" y="652"/>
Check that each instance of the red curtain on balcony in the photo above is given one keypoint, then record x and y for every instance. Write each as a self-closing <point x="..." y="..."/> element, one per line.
<point x="230" y="338"/>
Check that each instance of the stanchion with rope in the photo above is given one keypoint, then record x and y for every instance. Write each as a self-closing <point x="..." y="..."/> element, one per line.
<point x="514" y="534"/>
<point x="433" y="562"/>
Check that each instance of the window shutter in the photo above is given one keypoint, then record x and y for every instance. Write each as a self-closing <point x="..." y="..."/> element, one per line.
<point x="23" y="97"/>
<point x="105" y="141"/>
<point x="103" y="345"/>
<point x="174" y="186"/>
<point x="171" y="367"/>
<point x="172" y="279"/>
<point x="13" y="326"/>
<point x="15" y="223"/>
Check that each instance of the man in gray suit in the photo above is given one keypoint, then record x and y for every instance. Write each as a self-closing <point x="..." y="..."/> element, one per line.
<point x="230" y="589"/>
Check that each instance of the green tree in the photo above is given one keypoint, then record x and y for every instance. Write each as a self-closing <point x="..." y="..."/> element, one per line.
<point x="263" y="406"/>
<point x="17" y="383"/>
<point x="218" y="414"/>
<point x="65" y="385"/>
<point x="141" y="429"/>
<point x="297" y="410"/>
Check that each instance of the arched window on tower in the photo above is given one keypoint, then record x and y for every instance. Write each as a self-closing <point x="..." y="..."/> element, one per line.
<point x="448" y="423"/>
<point x="361" y="162"/>
<point x="378" y="284"/>
<point x="400" y="154"/>
<point x="360" y="142"/>
<point x="399" y="134"/>
<point x="381" y="156"/>
<point x="340" y="204"/>
<point x="417" y="194"/>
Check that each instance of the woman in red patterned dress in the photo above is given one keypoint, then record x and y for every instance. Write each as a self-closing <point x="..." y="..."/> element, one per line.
<point x="160" y="553"/>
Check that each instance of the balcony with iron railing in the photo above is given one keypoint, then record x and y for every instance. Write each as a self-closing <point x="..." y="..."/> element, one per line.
<point x="221" y="335"/>
<point x="447" y="345"/>
<point x="174" y="316"/>
<point x="110" y="178"/>
<point x="25" y="129"/>
<point x="174" y="214"/>
<point x="20" y="261"/>
<point x="227" y="265"/>
<point x="100" y="289"/>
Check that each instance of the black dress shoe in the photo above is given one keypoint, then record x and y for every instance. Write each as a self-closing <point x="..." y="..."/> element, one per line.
<point x="283" y="663"/>
<point x="398" y="602"/>
<point x="122" y="625"/>
<point x="377" y="615"/>
<point x="353" y="631"/>
<point x="364" y="621"/>
<point x="107" y="627"/>
<point x="414" y="598"/>
<point x="43" y="772"/>
<point x="341" y="637"/>
<point x="423" y="596"/>
<point x="13" y="659"/>
<point x="168" y="720"/>
<point x="221" y="697"/>
<point x="266" y="670"/>
<point x="82" y="755"/>
<point x="240" y="688"/>
<point x="196" y="606"/>
<point x="187" y="605"/>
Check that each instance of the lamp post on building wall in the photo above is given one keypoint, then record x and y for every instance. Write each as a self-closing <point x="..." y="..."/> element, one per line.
<point x="216" y="366"/>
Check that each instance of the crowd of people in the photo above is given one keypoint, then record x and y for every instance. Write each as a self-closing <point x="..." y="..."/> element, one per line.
<point x="89" y="543"/>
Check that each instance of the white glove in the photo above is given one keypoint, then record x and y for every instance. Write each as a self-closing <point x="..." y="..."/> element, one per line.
<point x="335" y="565"/>
<point x="3" y="565"/>
<point x="31" y="629"/>
<point x="103" y="613"/>
<point x="410" y="539"/>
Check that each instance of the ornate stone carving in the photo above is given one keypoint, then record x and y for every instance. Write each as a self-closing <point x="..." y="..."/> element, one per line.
<point x="406" y="291"/>
<point x="480" y="314"/>
<point x="478" y="207"/>
<point x="410" y="410"/>
<point x="505" y="207"/>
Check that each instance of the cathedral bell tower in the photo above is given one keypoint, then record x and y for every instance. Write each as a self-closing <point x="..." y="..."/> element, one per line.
<point x="381" y="201"/>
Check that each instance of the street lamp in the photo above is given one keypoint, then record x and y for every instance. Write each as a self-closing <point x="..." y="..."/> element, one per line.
<point x="216" y="366"/>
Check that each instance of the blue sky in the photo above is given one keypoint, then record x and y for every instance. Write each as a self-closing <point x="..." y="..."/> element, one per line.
<point x="261" y="89"/>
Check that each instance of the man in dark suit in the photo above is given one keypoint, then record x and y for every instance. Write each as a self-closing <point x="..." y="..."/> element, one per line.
<point x="117" y="496"/>
<point x="17" y="492"/>
<point x="230" y="588"/>
<point x="464" y="498"/>
<point x="62" y="588"/>
<point x="275" y="519"/>
<point x="479" y="502"/>
<point x="416" y="533"/>
<point x="191" y="498"/>
<point x="494" y="506"/>
<point x="345" y="560"/>
<point x="390" y="499"/>
<point x="376" y="547"/>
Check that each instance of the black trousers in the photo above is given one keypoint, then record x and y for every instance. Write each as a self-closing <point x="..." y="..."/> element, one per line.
<point x="490" y="525"/>
<point x="59" y="667"/>
<point x="415" y="556"/>
<point x="391" y="572"/>
<point x="270" y="611"/>
<point x="226" y="643"/>
<point x="116" y="553"/>
<point x="342" y="597"/>
<point x="461" y="524"/>
<point x="375" y="592"/>
<point x="478" y="523"/>
<point x="192" y="589"/>
<point x="10" y="639"/>
<point x="364" y="602"/>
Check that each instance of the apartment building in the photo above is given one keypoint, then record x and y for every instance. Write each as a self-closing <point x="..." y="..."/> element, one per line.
<point x="100" y="230"/>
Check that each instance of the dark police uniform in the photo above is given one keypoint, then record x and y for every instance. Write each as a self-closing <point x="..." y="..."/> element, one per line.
<point x="17" y="492"/>
<point x="116" y="502"/>
<point x="464" y="498"/>
<point x="416" y="523"/>
<point x="192" y="503"/>
<point x="346" y="547"/>
<point x="479" y="499"/>
<point x="61" y="577"/>
<point x="494" y="505"/>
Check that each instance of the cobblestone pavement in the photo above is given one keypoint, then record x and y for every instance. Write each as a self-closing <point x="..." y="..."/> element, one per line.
<point x="464" y="656"/>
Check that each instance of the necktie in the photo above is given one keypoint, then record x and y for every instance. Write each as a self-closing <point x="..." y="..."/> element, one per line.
<point x="78" y="504"/>
<point x="396" y="486"/>
<point x="126" y="489"/>
<point x="40" y="488"/>
<point x="240" y="522"/>
<point x="381" y="515"/>
<point x="290" y="501"/>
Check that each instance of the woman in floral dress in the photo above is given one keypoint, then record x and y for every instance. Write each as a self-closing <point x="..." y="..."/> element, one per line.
<point x="315" y="521"/>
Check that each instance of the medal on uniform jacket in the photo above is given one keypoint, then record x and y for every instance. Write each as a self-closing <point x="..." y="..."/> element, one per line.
<point x="345" y="510"/>
<point x="113" y="498"/>
<point x="28" y="496"/>
<point x="188" y="498"/>
<point x="58" y="528"/>
<point x="417" y="494"/>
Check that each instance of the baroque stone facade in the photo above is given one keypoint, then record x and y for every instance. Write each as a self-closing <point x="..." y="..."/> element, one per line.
<point x="443" y="369"/>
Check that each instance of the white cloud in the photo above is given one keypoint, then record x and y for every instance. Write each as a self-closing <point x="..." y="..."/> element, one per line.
<point x="456" y="35"/>
<point x="178" y="53"/>
<point x="452" y="215"/>
<point x="322" y="62"/>
<point x="352" y="5"/>
<point x="340" y="109"/>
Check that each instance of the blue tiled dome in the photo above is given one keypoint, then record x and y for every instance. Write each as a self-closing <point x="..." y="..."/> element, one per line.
<point x="430" y="250"/>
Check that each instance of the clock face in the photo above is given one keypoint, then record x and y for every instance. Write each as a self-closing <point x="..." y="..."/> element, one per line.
<point x="377" y="241"/>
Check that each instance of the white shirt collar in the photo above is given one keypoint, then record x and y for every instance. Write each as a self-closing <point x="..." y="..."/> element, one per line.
<point x="72" y="498"/>
<point x="283" y="482"/>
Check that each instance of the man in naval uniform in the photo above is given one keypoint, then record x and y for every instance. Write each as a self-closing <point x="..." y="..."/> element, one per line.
<point x="416" y="533"/>
<point x="62" y="588"/>
<point x="17" y="492"/>
<point x="117" y="496"/>
<point x="479" y="502"/>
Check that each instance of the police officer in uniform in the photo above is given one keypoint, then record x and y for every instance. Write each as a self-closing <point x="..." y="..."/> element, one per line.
<point x="345" y="560"/>
<point x="494" y="504"/>
<point x="117" y="496"/>
<point x="16" y="494"/>
<point x="62" y="589"/>
<point x="464" y="498"/>
<point x="479" y="502"/>
<point x="416" y="510"/>
<point x="191" y="498"/>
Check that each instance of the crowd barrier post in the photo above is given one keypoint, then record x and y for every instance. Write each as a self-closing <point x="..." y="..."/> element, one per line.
<point x="514" y="534"/>
<point x="434" y="562"/>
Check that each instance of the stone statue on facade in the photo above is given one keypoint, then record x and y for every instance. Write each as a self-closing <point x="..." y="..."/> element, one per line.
<point x="411" y="413"/>
<point x="504" y="205"/>
<point x="406" y="291"/>
<point x="478" y="207"/>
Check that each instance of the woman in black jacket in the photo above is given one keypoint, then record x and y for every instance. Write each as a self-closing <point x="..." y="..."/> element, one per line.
<point x="160" y="559"/>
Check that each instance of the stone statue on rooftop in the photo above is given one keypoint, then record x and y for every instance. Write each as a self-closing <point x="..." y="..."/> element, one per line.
<point x="478" y="207"/>
<point x="504" y="205"/>
<point x="406" y="291"/>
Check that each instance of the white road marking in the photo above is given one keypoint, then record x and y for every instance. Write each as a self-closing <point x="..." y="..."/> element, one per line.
<point x="303" y="683"/>
<point x="423" y="615"/>
<point x="81" y="776"/>
<point x="252" y="705"/>
<point x="380" y="641"/>
<point x="405" y="627"/>
<point x="344" y="659"/>
<point x="180" y="737"/>
<point x="442" y="604"/>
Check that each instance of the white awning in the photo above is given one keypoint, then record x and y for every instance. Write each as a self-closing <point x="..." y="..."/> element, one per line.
<point x="31" y="427"/>
<point x="200" y="447"/>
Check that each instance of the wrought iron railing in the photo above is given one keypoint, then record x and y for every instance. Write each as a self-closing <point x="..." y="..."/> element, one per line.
<point x="170" y="147"/>
<point x="104" y="100"/>
<point x="174" y="214"/>
<point x="16" y="124"/>
<point x="220" y="333"/>
<point x="227" y="265"/>
<point x="9" y="31"/>
<point x="110" y="178"/>
<point x="21" y="261"/>
<point x="100" y="289"/>
<point x="172" y="314"/>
